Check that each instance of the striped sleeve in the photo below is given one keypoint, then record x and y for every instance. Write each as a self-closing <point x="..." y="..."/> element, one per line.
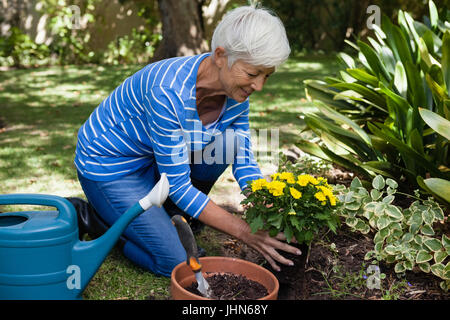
<point x="245" y="168"/>
<point x="171" y="151"/>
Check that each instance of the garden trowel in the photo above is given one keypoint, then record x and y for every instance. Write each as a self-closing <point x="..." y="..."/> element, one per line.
<point x="188" y="241"/>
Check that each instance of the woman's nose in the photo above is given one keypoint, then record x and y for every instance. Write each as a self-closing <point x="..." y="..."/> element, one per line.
<point x="258" y="84"/>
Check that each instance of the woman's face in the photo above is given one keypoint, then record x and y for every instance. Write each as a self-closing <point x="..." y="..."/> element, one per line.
<point x="242" y="79"/>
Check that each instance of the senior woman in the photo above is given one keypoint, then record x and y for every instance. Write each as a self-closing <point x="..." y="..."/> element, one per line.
<point x="159" y="119"/>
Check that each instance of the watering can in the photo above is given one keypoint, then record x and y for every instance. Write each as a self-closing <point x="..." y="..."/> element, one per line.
<point x="41" y="256"/>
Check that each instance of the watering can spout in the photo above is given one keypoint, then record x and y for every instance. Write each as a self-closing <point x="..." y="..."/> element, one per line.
<point x="89" y="255"/>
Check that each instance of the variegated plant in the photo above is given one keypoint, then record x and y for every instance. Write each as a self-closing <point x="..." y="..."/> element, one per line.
<point x="405" y="237"/>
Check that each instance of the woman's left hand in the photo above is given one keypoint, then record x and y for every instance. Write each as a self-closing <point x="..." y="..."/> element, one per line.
<point x="222" y="220"/>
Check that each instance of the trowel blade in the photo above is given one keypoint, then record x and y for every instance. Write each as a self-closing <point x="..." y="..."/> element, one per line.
<point x="203" y="285"/>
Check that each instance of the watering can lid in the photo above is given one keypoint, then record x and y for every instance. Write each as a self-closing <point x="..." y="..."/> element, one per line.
<point x="37" y="225"/>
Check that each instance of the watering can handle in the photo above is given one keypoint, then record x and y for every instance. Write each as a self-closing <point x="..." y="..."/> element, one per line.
<point x="65" y="208"/>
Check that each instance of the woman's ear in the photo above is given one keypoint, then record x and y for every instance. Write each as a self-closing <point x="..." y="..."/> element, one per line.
<point x="220" y="58"/>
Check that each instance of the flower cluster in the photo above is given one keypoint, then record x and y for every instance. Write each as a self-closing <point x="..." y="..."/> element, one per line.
<point x="298" y="205"/>
<point x="323" y="192"/>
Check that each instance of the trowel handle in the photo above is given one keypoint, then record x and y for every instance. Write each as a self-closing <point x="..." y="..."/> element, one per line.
<point x="188" y="241"/>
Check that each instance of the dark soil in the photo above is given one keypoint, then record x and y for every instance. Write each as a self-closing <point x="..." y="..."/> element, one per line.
<point x="227" y="286"/>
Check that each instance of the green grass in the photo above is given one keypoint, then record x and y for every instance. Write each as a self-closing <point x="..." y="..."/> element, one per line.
<point x="43" y="109"/>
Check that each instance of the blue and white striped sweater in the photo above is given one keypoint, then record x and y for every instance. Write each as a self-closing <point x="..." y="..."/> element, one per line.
<point x="152" y="118"/>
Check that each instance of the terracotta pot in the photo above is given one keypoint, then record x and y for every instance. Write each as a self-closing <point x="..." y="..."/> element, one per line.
<point x="182" y="276"/>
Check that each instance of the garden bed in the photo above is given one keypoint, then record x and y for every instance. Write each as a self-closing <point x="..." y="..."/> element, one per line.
<point x="335" y="267"/>
<point x="336" y="270"/>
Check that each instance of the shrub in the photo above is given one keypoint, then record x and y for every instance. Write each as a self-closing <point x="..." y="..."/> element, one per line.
<point x="370" y="118"/>
<point x="403" y="237"/>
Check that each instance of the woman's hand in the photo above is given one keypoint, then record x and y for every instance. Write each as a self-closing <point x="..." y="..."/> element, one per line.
<point x="222" y="220"/>
<point x="267" y="246"/>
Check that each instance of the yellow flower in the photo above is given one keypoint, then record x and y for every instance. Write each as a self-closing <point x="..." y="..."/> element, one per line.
<point x="292" y="212"/>
<point x="320" y="196"/>
<point x="287" y="176"/>
<point x="323" y="203"/>
<point x="333" y="201"/>
<point x="275" y="176"/>
<point x="295" y="193"/>
<point x="313" y="180"/>
<point x="328" y="192"/>
<point x="303" y="180"/>
<point x="276" y="187"/>
<point x="258" y="184"/>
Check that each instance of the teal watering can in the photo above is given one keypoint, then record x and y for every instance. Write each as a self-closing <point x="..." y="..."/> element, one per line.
<point x="41" y="256"/>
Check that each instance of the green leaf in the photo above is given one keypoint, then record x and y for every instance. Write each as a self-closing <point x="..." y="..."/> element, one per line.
<point x="446" y="59"/>
<point x="375" y="194"/>
<point x="288" y="232"/>
<point x="379" y="208"/>
<point x="388" y="199"/>
<point x="425" y="267"/>
<point x="392" y="183"/>
<point x="363" y="76"/>
<point x="438" y="269"/>
<point x="433" y="244"/>
<point x="425" y="55"/>
<point x="356" y="183"/>
<point x="438" y="213"/>
<point x="360" y="225"/>
<point x="402" y="45"/>
<point x="374" y="61"/>
<point x="415" y="85"/>
<point x="351" y="222"/>
<point x="423" y="256"/>
<point x="313" y="149"/>
<point x="413" y="228"/>
<point x="440" y="256"/>
<point x="390" y="249"/>
<point x="427" y="230"/>
<point x="383" y="222"/>
<point x="440" y="187"/>
<point x="370" y="207"/>
<point x="400" y="80"/>
<point x="406" y="150"/>
<point x="445" y="241"/>
<point x="256" y="224"/>
<point x="428" y="217"/>
<point x="418" y="239"/>
<point x="407" y="237"/>
<point x="369" y="94"/>
<point x="434" y="16"/>
<point x="400" y="267"/>
<point x="378" y="182"/>
<point x="435" y="121"/>
<point x="394" y="212"/>
<point x="348" y="60"/>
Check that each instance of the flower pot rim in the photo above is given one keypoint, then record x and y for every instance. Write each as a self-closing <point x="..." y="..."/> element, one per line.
<point x="272" y="295"/>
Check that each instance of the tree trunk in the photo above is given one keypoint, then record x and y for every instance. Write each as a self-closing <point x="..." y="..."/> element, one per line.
<point x="182" y="25"/>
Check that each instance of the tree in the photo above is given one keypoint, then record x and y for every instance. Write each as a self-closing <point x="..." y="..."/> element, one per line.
<point x="182" y="28"/>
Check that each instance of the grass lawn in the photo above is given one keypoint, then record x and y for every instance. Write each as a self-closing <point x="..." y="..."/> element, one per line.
<point x="42" y="109"/>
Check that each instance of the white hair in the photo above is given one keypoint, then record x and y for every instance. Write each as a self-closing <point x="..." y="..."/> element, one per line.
<point x="253" y="35"/>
